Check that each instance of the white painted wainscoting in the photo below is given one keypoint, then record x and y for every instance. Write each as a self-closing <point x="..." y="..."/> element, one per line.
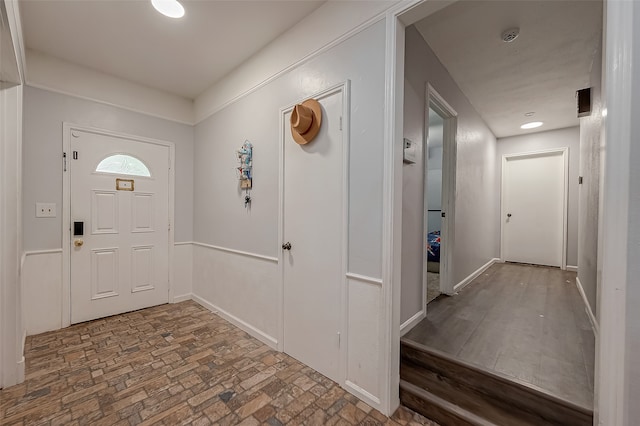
<point x="364" y="338"/>
<point x="42" y="286"/>
<point x="244" y="288"/>
<point x="182" y="272"/>
<point x="42" y="290"/>
<point x="241" y="287"/>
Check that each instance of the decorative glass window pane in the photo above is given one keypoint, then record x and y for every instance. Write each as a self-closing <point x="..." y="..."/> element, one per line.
<point x="122" y="164"/>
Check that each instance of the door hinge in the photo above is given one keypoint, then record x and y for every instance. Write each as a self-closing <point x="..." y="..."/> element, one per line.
<point x="340" y="123"/>
<point x="75" y="155"/>
<point x="443" y="214"/>
<point x="64" y="161"/>
<point x="338" y="339"/>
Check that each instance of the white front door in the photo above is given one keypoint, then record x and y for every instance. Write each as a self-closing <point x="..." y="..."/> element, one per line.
<point x="533" y="208"/>
<point x="313" y="215"/>
<point x="119" y="225"/>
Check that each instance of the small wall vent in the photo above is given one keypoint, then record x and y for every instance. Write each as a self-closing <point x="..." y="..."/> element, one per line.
<point x="583" y="96"/>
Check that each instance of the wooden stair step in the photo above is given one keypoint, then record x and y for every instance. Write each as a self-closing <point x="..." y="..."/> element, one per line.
<point x="489" y="395"/>
<point x="436" y="408"/>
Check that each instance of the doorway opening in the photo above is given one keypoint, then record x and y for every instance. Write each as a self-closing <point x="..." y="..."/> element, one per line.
<point x="439" y="195"/>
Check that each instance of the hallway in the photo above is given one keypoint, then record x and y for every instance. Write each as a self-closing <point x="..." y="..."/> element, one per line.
<point x="526" y="322"/>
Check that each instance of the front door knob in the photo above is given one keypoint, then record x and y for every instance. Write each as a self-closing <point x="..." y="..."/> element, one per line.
<point x="286" y="246"/>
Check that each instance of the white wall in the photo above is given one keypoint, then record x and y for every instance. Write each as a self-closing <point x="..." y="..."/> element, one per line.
<point x="569" y="137"/>
<point x="618" y="342"/>
<point x="245" y="286"/>
<point x="412" y="206"/>
<point x="57" y="75"/>
<point x="11" y="323"/>
<point x="589" y="192"/>
<point x="632" y="313"/>
<point x="476" y="234"/>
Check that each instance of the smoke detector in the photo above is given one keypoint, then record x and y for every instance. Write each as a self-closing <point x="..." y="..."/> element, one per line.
<point x="510" y="35"/>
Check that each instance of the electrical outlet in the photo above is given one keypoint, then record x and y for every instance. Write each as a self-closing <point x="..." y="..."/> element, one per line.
<point x="45" y="209"/>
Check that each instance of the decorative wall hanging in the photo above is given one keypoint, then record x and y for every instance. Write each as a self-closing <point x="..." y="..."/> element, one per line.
<point x="306" y="119"/>
<point x="245" y="169"/>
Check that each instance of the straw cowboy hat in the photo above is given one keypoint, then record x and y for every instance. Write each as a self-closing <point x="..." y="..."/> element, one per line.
<point x="306" y="119"/>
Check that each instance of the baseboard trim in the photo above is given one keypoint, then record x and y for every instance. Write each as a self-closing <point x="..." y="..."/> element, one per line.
<point x="465" y="282"/>
<point x="240" y="252"/>
<point x="253" y="331"/>
<point x="181" y="298"/>
<point x="183" y="243"/>
<point x="572" y="268"/>
<point x="587" y="307"/>
<point x="411" y="322"/>
<point x="361" y="393"/>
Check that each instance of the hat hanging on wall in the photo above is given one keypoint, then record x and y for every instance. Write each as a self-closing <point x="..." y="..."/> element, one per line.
<point x="306" y="119"/>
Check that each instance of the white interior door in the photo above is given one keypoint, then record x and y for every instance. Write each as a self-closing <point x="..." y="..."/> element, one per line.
<point x="313" y="214"/>
<point x="533" y="208"/>
<point x="120" y="194"/>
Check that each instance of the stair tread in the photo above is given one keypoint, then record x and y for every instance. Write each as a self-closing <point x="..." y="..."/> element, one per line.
<point x="499" y="377"/>
<point x="458" y="411"/>
<point x="487" y="394"/>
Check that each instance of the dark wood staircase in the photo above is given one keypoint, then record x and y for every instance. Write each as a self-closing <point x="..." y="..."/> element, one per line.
<point x="453" y="392"/>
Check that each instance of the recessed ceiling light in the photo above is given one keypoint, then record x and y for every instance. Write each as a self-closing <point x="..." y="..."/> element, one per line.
<point x="531" y="125"/>
<point x="170" y="8"/>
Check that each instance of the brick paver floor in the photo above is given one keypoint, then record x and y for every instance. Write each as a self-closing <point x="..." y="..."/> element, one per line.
<point x="174" y="364"/>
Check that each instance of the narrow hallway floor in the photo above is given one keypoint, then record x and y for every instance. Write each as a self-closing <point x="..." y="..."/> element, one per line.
<point x="527" y="322"/>
<point x="174" y="364"/>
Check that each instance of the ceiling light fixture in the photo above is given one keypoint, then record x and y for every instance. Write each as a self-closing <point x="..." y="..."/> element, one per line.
<point x="531" y="125"/>
<point x="529" y="114"/>
<point x="170" y="8"/>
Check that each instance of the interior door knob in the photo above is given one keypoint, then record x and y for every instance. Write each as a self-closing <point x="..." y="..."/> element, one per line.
<point x="286" y="246"/>
<point x="508" y="214"/>
<point x="78" y="242"/>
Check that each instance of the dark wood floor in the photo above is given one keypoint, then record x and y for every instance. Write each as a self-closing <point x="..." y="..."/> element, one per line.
<point x="527" y="322"/>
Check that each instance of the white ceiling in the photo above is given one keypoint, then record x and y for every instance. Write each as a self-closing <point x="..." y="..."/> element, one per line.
<point x="540" y="71"/>
<point x="130" y="40"/>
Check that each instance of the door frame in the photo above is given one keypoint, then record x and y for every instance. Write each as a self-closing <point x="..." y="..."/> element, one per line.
<point x="345" y="88"/>
<point x="66" y="208"/>
<point x="449" y="156"/>
<point x="565" y="216"/>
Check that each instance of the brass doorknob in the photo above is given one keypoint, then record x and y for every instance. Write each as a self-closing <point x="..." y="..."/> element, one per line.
<point x="78" y="242"/>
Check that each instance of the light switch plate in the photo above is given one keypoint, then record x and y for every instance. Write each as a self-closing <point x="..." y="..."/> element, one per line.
<point x="45" y="209"/>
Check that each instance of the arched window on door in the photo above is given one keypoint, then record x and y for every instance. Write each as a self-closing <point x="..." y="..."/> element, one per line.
<point x="123" y="164"/>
